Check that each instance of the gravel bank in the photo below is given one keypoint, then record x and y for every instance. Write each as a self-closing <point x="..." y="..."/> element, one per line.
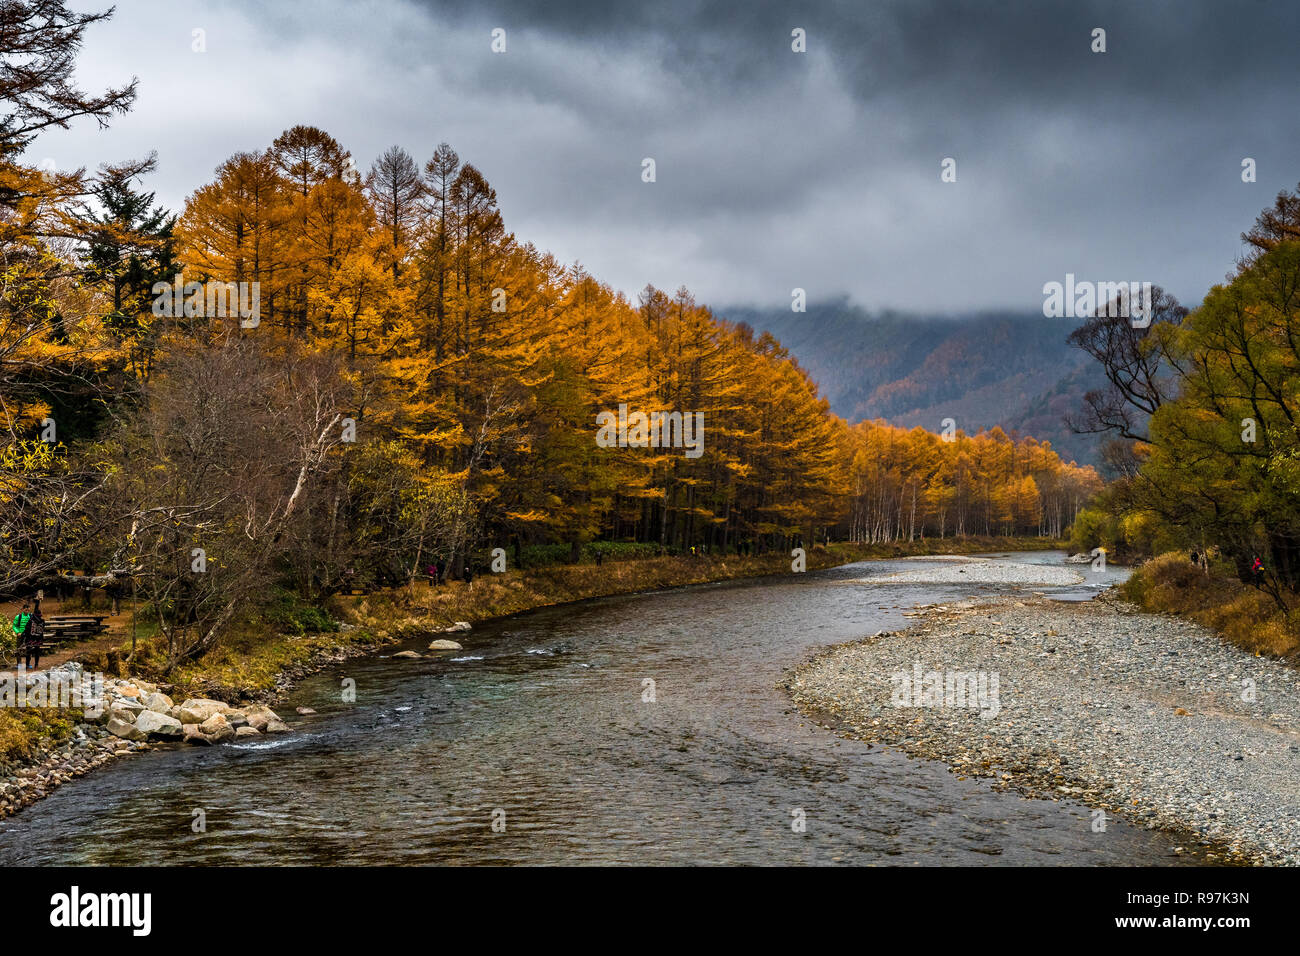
<point x="1143" y="715"/>
<point x="982" y="571"/>
<point x="22" y="784"/>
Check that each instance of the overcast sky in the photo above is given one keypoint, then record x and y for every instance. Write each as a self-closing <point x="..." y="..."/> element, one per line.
<point x="819" y="170"/>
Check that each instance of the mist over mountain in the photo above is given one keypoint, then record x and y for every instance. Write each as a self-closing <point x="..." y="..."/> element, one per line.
<point x="1011" y="369"/>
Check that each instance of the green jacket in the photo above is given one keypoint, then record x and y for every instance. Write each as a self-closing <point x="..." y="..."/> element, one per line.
<point x="20" y="623"/>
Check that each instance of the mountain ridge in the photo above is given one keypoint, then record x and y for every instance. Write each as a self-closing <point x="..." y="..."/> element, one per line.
<point x="1014" y="370"/>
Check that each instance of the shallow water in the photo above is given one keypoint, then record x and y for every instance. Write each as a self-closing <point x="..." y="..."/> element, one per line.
<point x="541" y="721"/>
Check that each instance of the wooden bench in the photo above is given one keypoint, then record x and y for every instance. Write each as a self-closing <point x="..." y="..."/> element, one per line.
<point x="65" y="629"/>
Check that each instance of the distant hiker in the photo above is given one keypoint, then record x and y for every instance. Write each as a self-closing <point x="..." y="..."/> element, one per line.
<point x="437" y="572"/>
<point x="600" y="556"/>
<point x="469" y="573"/>
<point x="1257" y="570"/>
<point x="33" y="638"/>
<point x="1196" y="559"/>
<point x="432" y="573"/>
<point x="21" y="620"/>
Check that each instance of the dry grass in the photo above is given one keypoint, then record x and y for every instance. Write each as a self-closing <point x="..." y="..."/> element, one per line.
<point x="25" y="731"/>
<point x="1171" y="584"/>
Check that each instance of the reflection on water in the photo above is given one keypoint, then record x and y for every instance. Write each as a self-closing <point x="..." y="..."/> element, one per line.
<point x="541" y="720"/>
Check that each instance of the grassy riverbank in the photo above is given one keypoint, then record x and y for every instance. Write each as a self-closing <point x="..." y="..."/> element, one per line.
<point x="1243" y="615"/>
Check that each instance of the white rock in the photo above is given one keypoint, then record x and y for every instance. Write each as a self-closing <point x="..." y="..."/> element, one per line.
<point x="127" y="731"/>
<point x="152" y="723"/>
<point x="159" y="702"/>
<point x="198" y="709"/>
<point x="445" y="645"/>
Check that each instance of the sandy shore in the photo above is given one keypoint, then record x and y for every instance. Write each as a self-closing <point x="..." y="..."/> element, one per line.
<point x="1147" y="716"/>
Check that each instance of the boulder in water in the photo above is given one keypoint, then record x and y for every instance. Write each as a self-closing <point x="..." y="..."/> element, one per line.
<point x="192" y="735"/>
<point x="216" y="728"/>
<point x="445" y="645"/>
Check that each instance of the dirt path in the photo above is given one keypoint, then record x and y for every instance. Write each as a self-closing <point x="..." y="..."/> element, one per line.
<point x="119" y="628"/>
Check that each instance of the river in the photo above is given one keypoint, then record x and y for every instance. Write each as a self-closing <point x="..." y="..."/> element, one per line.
<point x="540" y="724"/>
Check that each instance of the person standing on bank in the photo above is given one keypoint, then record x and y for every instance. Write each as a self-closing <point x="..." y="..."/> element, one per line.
<point x="19" y="626"/>
<point x="34" y="637"/>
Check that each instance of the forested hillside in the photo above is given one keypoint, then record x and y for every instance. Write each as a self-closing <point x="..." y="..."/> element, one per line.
<point x="1016" y="371"/>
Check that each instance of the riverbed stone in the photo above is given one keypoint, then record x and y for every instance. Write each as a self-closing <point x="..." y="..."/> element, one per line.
<point x="151" y="723"/>
<point x="192" y="735"/>
<point x="445" y="645"/>
<point x="121" y="713"/>
<point x="198" y="709"/>
<point x="408" y="654"/>
<point x="158" y="702"/>
<point x="246" y="732"/>
<point x="217" y="728"/>
<point x="124" y="729"/>
<point x="276" y="727"/>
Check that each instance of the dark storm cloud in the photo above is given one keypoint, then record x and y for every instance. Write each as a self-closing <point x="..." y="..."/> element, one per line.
<point x="1027" y="52"/>
<point x="775" y="170"/>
